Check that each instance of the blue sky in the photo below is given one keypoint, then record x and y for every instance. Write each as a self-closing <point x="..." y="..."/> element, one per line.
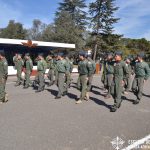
<point x="134" y="14"/>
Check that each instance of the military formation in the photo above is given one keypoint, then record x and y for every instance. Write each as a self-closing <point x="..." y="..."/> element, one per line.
<point x="116" y="76"/>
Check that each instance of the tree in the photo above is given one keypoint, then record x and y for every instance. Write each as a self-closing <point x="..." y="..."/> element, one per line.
<point x="102" y="21"/>
<point x="13" y="31"/>
<point x="76" y="10"/>
<point x="71" y="22"/>
<point x="65" y="30"/>
<point x="35" y="32"/>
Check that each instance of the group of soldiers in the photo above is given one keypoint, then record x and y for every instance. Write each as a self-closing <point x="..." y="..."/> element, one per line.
<point x="60" y="68"/>
<point x="116" y="75"/>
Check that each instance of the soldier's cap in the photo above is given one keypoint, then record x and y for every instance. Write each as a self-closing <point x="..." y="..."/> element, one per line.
<point x="110" y="54"/>
<point x="82" y="53"/>
<point x="61" y="54"/>
<point x="119" y="53"/>
<point x="141" y="55"/>
<point x="2" y="53"/>
<point x="27" y="54"/>
<point x="41" y="54"/>
<point x="19" y="54"/>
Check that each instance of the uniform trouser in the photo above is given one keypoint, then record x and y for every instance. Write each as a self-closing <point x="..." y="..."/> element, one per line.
<point x="104" y="79"/>
<point x="40" y="80"/>
<point x="127" y="83"/>
<point x="51" y="75"/>
<point x="83" y="80"/>
<point x="89" y="83"/>
<point x="109" y="79"/>
<point x="56" y="77"/>
<point x="116" y="91"/>
<point x="61" y="83"/>
<point x="27" y="78"/>
<point x="78" y="83"/>
<point x="137" y="87"/>
<point x="68" y="80"/>
<point x="19" y="79"/>
<point x="2" y="89"/>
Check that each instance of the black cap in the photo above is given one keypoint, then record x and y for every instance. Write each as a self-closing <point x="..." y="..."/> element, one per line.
<point x="41" y="54"/>
<point x="27" y="54"/>
<point x="119" y="53"/>
<point x="61" y="54"/>
<point x="110" y="54"/>
<point x="82" y="53"/>
<point x="141" y="55"/>
<point x="19" y="54"/>
<point x="2" y="53"/>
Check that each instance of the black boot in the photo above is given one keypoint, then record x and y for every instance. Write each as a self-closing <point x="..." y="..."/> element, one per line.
<point x="113" y="108"/>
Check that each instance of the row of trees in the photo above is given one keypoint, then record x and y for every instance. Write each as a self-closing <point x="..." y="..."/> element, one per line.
<point x="89" y="27"/>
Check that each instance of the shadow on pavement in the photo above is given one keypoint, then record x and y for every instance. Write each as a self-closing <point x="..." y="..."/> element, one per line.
<point x="53" y="92"/>
<point x="146" y="95"/>
<point x="100" y="102"/>
<point x="127" y="99"/>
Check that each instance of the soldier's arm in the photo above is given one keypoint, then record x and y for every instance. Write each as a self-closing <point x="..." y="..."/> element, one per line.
<point x="125" y="70"/>
<point x="31" y="64"/>
<point x="89" y="68"/>
<point x="67" y="67"/>
<point x="5" y="69"/>
<point x="147" y="72"/>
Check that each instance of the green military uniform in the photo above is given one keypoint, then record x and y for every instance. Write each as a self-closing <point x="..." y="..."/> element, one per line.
<point x="41" y="68"/>
<point x="109" y="70"/>
<point x="29" y="67"/>
<point x="55" y="71"/>
<point x="83" y="70"/>
<point x="120" y="70"/>
<point x="68" y="72"/>
<point x="3" y="78"/>
<point x="19" y="68"/>
<point x="51" y="67"/>
<point x="103" y="78"/>
<point x="62" y="70"/>
<point x="142" y="72"/>
<point x="127" y="80"/>
<point x="92" y="68"/>
<point x="15" y="61"/>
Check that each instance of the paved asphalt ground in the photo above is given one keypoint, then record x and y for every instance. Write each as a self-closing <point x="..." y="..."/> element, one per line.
<point x="36" y="121"/>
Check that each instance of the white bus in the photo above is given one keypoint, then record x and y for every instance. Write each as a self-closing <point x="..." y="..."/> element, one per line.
<point x="12" y="46"/>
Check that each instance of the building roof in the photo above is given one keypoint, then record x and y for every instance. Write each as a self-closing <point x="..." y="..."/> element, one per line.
<point x="38" y="43"/>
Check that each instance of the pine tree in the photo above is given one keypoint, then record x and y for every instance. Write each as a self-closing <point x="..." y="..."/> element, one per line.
<point x="71" y="12"/>
<point x="102" y="21"/>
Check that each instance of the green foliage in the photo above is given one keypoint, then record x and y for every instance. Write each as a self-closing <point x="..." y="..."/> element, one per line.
<point x="14" y="30"/>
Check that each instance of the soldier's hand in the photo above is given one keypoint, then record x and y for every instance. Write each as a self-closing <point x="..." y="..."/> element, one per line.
<point x="122" y="82"/>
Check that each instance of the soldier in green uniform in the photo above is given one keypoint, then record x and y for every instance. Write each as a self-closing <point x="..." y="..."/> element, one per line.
<point x="15" y="60"/>
<point x="51" y="67"/>
<point x="28" y="71"/>
<point x="109" y="70"/>
<point x="103" y="78"/>
<point x="55" y="60"/>
<point x="3" y="77"/>
<point x="127" y="80"/>
<point x="92" y="69"/>
<point x="68" y="74"/>
<point x="41" y="69"/>
<point x="142" y="73"/>
<point x="120" y="70"/>
<point x="19" y="68"/>
<point x="83" y="70"/>
<point x="62" y="69"/>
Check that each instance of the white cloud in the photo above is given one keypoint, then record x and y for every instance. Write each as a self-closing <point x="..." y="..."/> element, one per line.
<point x="131" y="13"/>
<point x="8" y="13"/>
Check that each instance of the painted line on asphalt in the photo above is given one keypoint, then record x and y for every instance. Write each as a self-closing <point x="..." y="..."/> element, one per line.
<point x="137" y="143"/>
